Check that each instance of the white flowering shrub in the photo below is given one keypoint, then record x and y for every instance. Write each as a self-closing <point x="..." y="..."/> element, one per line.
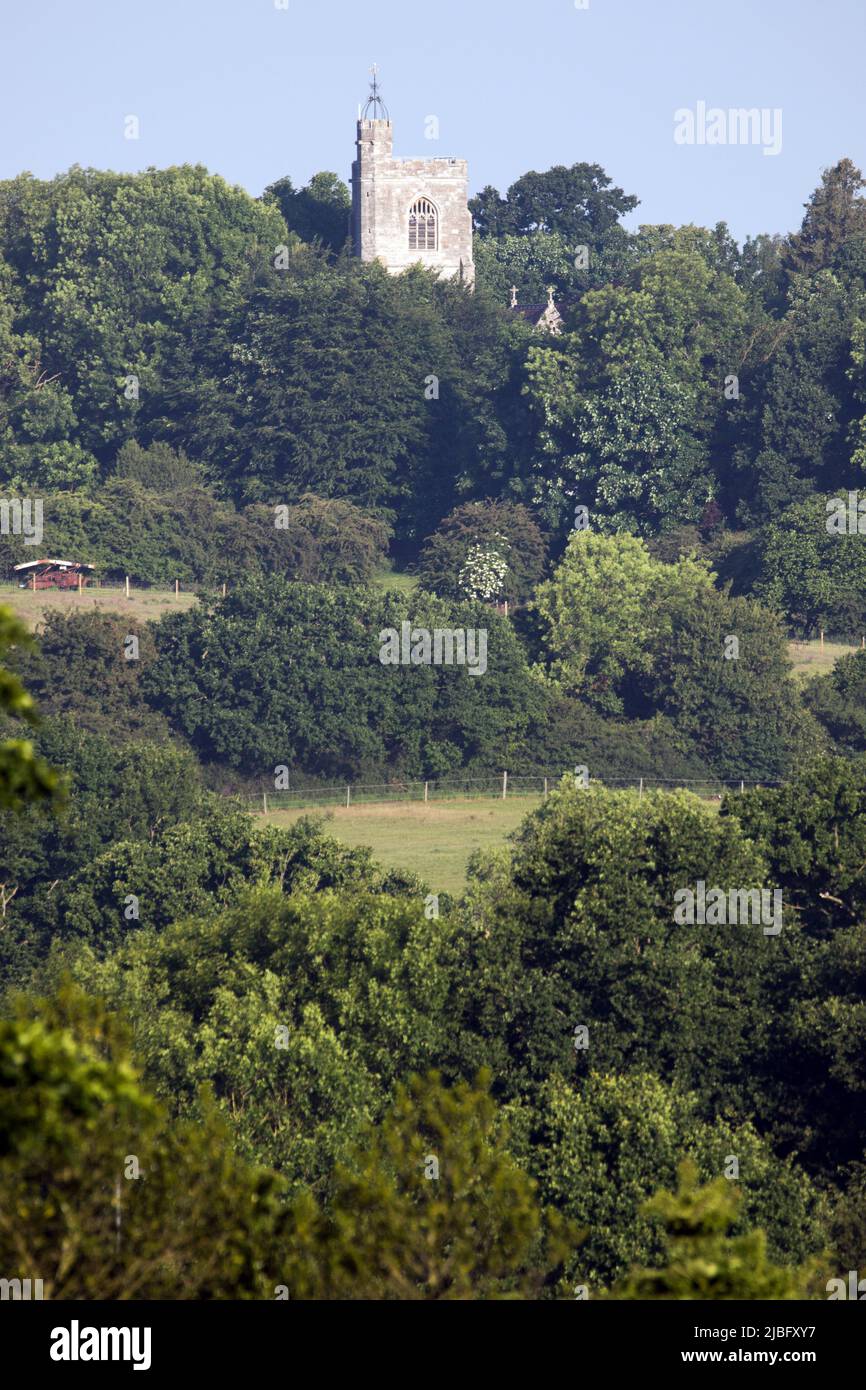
<point x="483" y="574"/>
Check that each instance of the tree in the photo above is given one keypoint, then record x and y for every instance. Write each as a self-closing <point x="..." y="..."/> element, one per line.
<point x="603" y="609"/>
<point x="294" y="678"/>
<point x="815" y="577"/>
<point x="578" y="202"/>
<point x="704" y="1261"/>
<point x="158" y="468"/>
<point x="601" y="1147"/>
<point x="82" y="672"/>
<point x="432" y="1206"/>
<point x="582" y="913"/>
<point x="506" y="529"/>
<point x="197" y="866"/>
<point x="101" y="1196"/>
<point x="629" y="456"/>
<point x="813" y="832"/>
<point x="299" y="1005"/>
<point x="318" y="211"/>
<point x="835" y="215"/>
<point x="838" y="701"/>
<point x="722" y="675"/>
<point x="24" y="777"/>
<point x="335" y="541"/>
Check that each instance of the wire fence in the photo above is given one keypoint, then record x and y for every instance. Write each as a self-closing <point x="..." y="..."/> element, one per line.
<point x="500" y="786"/>
<point x="92" y="584"/>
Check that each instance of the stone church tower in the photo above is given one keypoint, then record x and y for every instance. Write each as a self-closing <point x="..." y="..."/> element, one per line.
<point x="408" y="210"/>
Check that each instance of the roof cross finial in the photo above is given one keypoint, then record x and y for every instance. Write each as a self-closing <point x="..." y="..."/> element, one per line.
<point x="374" y="101"/>
<point x="514" y="296"/>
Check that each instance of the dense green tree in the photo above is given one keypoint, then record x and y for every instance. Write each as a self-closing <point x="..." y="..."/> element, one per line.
<point x="599" y="1150"/>
<point x="507" y="529"/>
<point x="838" y="701"/>
<point x="290" y="675"/>
<point x="706" y="1260"/>
<point x="116" y="273"/>
<point x="603" y="610"/>
<point x="579" y="203"/>
<point x="835" y="215"/>
<point x="319" y="211"/>
<point x="24" y="777"/>
<point x="722" y="675"/>
<point x="103" y="1198"/>
<point x="576" y="929"/>
<point x="300" y="1012"/>
<point x="133" y="791"/>
<point x="431" y="1206"/>
<point x="158" y="468"/>
<point x="815" y="576"/>
<point x="335" y="542"/>
<point x="813" y="832"/>
<point x="87" y="670"/>
<point x="199" y="865"/>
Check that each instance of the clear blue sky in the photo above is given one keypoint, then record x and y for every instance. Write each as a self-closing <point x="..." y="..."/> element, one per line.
<point x="255" y="92"/>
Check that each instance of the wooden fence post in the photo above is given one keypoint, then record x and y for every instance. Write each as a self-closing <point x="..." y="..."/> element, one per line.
<point x="127" y="586"/>
<point x="426" y="785"/>
<point x="176" y="587"/>
<point x="640" y="795"/>
<point x="545" y="786"/>
<point x="348" y="797"/>
<point x="504" y="785"/>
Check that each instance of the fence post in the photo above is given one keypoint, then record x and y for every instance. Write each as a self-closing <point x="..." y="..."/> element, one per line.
<point x="348" y="797"/>
<point x="79" y="583"/>
<point x="822" y="641"/>
<point x="127" y="586"/>
<point x="640" y="795"/>
<point x="265" y="801"/>
<point x="176" y="587"/>
<point x="34" y="581"/>
<point x="426" y="785"/>
<point x="742" y="786"/>
<point x="504" y="785"/>
<point x="224" y="590"/>
<point x="545" y="786"/>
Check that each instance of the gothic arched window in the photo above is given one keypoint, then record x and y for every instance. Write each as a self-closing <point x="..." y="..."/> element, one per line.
<point x="423" y="226"/>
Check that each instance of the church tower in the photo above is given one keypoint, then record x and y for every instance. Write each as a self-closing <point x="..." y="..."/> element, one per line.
<point x="408" y="210"/>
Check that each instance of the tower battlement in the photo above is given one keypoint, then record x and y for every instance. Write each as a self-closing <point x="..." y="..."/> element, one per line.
<point x="406" y="211"/>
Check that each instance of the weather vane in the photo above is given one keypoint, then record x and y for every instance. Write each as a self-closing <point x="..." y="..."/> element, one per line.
<point x="380" y="110"/>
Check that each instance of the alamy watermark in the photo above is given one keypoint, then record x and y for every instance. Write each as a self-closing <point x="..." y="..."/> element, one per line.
<point x="22" y="517"/>
<point x="21" y="1289"/>
<point x="738" y="125"/>
<point x="846" y="517"/>
<point x="718" y="907"/>
<point x="445" y="646"/>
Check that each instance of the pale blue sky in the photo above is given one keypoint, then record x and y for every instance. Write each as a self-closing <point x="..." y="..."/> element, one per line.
<point x="255" y="92"/>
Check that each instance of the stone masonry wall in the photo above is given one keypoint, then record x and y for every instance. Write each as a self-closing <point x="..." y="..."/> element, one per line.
<point x="383" y="191"/>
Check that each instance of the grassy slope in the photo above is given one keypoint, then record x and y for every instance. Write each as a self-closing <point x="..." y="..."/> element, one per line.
<point x="142" y="603"/>
<point x="434" y="841"/>
<point x="809" y="660"/>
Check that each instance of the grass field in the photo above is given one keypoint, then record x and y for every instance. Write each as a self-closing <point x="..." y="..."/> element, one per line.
<point x="810" y="660"/>
<point x="433" y="841"/>
<point x="142" y="603"/>
<point x="390" y="579"/>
